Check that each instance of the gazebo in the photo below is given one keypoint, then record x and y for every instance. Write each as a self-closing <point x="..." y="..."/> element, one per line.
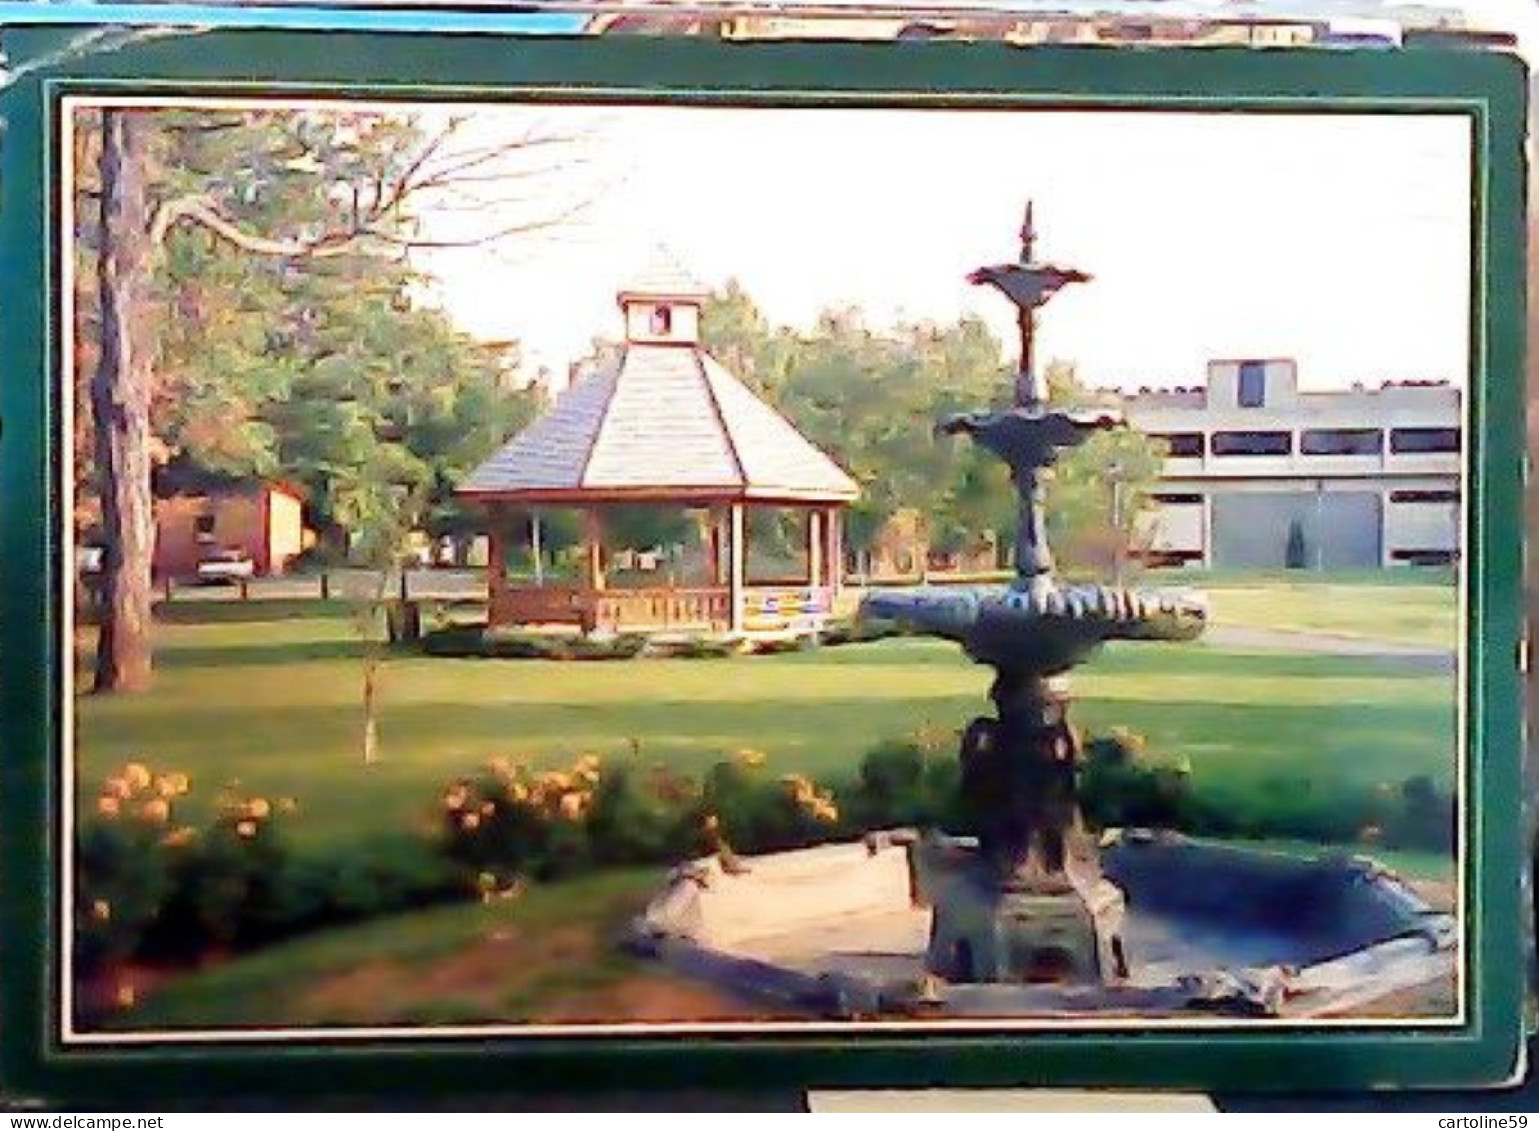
<point x="664" y="424"/>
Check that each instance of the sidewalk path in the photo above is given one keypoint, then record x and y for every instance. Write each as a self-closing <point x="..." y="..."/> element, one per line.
<point x="1424" y="656"/>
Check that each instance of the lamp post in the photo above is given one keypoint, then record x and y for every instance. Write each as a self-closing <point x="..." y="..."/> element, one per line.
<point x="1319" y="526"/>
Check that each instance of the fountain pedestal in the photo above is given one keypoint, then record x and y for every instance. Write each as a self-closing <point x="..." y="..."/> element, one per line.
<point x="1029" y="904"/>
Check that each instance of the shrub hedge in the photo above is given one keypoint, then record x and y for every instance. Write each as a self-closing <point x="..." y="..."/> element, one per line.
<point x="151" y="887"/>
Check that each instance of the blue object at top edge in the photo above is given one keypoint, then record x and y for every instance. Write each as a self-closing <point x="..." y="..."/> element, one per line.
<point x="319" y="17"/>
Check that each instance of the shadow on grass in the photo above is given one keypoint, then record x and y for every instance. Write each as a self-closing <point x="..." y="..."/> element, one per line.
<point x="259" y="655"/>
<point x="266" y="610"/>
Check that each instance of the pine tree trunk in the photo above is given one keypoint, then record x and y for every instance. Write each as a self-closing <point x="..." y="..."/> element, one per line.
<point x="120" y="401"/>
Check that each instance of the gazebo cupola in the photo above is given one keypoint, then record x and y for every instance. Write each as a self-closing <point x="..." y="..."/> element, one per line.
<point x="664" y="425"/>
<point x="662" y="305"/>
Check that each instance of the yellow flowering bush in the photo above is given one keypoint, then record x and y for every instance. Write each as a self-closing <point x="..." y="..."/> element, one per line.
<point x="128" y="849"/>
<point x="509" y="820"/>
<point x="229" y="891"/>
<point x="810" y="800"/>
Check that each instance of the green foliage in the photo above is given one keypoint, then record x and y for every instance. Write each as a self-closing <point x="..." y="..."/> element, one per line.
<point x="226" y="891"/>
<point x="873" y="400"/>
<point x="127" y="852"/>
<point x="913" y="780"/>
<point x="641" y="817"/>
<point x="507" y="823"/>
<point x="151" y="887"/>
<point x="328" y="370"/>
<point x="1121" y="786"/>
<point x="1426" y="817"/>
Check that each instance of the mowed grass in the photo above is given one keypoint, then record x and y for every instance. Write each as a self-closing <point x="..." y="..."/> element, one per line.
<point x="276" y="706"/>
<point x="1407" y="614"/>
<point x="460" y="964"/>
<point x="1402" y="606"/>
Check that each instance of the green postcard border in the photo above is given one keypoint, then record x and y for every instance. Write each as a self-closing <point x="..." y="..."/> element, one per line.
<point x="1489" y="89"/>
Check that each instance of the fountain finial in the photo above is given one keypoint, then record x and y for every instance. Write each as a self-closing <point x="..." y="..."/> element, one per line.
<point x="1028" y="235"/>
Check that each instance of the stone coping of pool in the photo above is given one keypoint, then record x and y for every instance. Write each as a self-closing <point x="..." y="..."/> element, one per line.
<point x="1211" y="929"/>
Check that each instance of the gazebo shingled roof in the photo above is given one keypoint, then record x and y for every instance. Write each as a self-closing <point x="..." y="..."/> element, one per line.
<point x="665" y="423"/>
<point x="663" y="276"/>
<point x="668" y="419"/>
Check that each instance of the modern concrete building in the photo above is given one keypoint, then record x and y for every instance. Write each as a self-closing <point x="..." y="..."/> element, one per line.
<point x="1262" y="475"/>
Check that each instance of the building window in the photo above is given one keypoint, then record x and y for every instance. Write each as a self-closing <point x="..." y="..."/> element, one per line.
<point x="1177" y="498"/>
<point x="662" y="321"/>
<point x="1424" y="496"/>
<point x="1252" y="384"/>
<point x="1252" y="443"/>
<point x="1429" y="557"/>
<point x="1341" y="442"/>
<point x="203" y="528"/>
<point x="1181" y="445"/>
<point x="1423" y="440"/>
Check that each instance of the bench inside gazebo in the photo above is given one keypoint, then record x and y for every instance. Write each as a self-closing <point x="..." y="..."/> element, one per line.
<point x="666" y="425"/>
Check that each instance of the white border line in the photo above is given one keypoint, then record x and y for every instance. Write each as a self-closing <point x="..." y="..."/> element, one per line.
<point x="63" y="131"/>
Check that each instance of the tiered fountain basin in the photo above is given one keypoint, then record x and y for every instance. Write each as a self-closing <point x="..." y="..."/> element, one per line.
<point x="1048" y="629"/>
<point x="841" y="932"/>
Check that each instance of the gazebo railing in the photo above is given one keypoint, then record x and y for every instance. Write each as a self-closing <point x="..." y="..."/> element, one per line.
<point x="766" y="608"/>
<point x="664" y="608"/>
<point x="539" y="604"/>
<point x="709" y="607"/>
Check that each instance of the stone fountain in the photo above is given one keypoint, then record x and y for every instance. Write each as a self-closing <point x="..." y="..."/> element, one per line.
<point x="1030" y="917"/>
<point x="1030" y="904"/>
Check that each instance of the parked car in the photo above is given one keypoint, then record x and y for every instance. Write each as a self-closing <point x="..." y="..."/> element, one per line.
<point x="223" y="567"/>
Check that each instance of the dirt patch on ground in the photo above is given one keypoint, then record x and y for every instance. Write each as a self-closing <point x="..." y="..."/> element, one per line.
<point x="557" y="976"/>
<point x="658" y="998"/>
<point x="356" y="995"/>
<point x="1440" y="894"/>
<point x="1433" y="1000"/>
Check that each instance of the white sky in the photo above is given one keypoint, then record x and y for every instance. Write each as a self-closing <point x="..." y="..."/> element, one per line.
<point x="1341" y="241"/>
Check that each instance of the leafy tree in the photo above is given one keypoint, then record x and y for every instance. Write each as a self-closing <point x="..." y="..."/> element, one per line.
<point x="872" y="400"/>
<point x="242" y="258"/>
<point x="1097" y="492"/>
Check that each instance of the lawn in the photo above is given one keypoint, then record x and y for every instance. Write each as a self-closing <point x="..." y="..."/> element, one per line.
<point x="275" y="705"/>
<point x="542" y="957"/>
<point x="547" y="957"/>
<point x="1403" y="606"/>
<point x="1405" y="614"/>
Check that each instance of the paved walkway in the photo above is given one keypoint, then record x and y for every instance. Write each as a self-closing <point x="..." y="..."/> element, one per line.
<point x="1427" y="656"/>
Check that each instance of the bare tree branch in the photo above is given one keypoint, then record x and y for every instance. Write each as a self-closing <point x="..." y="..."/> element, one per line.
<point x="200" y="211"/>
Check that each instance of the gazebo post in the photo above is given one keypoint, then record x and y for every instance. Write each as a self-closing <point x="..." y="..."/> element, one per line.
<point x="735" y="582"/>
<point x="593" y="566"/>
<point x="834" y="557"/>
<point x="814" y="547"/>
<point x="593" y="549"/>
<point x="496" y="562"/>
<point x="710" y="545"/>
<point x="536" y="546"/>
